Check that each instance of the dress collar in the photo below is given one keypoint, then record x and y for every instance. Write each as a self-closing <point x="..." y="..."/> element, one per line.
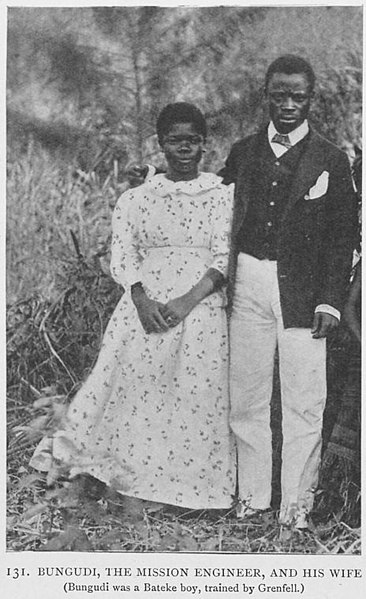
<point x="164" y="187"/>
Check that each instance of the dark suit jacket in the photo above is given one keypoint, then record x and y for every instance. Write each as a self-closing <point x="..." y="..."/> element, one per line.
<point x="316" y="236"/>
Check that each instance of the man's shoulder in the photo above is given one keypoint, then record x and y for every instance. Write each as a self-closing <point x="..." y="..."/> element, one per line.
<point x="242" y="145"/>
<point x="328" y="147"/>
<point x="248" y="139"/>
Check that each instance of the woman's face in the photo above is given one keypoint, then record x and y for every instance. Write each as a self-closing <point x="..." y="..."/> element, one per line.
<point x="182" y="147"/>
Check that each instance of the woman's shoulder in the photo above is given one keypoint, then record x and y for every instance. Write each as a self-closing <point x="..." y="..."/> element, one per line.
<point x="222" y="192"/>
<point x="133" y="195"/>
<point x="211" y="183"/>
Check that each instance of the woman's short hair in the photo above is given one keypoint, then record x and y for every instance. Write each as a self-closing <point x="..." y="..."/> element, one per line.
<point x="290" y="64"/>
<point x="180" y="112"/>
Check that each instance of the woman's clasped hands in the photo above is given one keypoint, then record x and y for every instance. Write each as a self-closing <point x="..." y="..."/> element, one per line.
<point x="157" y="317"/>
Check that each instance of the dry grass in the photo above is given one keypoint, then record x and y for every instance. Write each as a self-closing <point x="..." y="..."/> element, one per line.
<point x="59" y="301"/>
<point x="65" y="518"/>
<point x="45" y="203"/>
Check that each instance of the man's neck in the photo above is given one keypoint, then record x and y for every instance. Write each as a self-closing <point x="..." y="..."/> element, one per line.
<point x="295" y="135"/>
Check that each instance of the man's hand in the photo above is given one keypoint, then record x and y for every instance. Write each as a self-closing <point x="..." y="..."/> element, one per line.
<point x="323" y="325"/>
<point x="136" y="174"/>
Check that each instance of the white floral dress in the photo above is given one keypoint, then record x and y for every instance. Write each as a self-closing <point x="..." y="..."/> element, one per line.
<point x="152" y="418"/>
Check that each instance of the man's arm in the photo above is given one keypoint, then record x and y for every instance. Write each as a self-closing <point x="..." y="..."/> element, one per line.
<point x="337" y="245"/>
<point x="229" y="172"/>
<point x="137" y="173"/>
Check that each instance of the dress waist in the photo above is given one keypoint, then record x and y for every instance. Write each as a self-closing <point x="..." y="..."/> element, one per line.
<point x="170" y="271"/>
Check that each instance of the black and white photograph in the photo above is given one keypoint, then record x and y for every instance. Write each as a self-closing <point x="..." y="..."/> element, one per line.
<point x="183" y="299"/>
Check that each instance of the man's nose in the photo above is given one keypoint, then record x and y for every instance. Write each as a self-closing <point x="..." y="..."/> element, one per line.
<point x="288" y="103"/>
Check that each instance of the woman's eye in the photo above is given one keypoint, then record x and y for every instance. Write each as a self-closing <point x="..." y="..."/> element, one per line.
<point x="190" y="139"/>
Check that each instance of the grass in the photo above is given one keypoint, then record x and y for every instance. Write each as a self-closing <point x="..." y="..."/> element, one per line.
<point x="49" y="208"/>
<point x="60" y="298"/>
<point x="65" y="518"/>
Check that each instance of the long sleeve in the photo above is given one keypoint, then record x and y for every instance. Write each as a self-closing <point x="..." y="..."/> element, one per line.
<point x="125" y="253"/>
<point x="339" y="236"/>
<point x="220" y="240"/>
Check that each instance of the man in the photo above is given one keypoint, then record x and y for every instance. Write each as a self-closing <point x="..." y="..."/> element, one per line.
<point x="292" y="240"/>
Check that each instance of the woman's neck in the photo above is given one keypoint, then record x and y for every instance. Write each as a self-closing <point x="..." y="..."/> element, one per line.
<point x="181" y="176"/>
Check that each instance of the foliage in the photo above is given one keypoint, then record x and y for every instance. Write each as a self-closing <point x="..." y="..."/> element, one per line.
<point x="109" y="70"/>
<point x="59" y="341"/>
<point x="46" y="202"/>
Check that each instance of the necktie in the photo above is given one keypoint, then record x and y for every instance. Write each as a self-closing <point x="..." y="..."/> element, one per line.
<point x="284" y="140"/>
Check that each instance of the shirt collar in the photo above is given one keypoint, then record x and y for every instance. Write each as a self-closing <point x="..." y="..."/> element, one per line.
<point x="294" y="136"/>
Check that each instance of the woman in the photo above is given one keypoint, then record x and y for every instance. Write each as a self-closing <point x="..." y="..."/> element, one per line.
<point x="152" y="419"/>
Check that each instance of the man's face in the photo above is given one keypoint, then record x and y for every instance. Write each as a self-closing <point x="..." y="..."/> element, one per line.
<point x="289" y="99"/>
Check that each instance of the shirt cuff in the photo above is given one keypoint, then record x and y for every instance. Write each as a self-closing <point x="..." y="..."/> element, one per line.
<point x="151" y="171"/>
<point x="328" y="310"/>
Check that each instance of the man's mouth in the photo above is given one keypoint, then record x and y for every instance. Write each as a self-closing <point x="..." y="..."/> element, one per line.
<point x="185" y="160"/>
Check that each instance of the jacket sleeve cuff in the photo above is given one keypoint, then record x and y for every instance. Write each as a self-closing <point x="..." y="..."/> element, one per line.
<point x="328" y="310"/>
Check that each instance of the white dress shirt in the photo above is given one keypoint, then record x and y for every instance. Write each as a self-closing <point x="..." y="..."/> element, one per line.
<point x="294" y="136"/>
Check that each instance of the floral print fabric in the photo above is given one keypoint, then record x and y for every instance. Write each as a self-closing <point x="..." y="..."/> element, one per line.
<point x="152" y="418"/>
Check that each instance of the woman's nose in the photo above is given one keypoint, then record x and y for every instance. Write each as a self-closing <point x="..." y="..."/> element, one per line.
<point x="185" y="146"/>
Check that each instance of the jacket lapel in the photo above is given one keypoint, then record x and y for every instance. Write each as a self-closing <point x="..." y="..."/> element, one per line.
<point x="311" y="165"/>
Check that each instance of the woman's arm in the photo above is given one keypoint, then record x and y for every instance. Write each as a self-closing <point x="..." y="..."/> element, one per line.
<point x="214" y="278"/>
<point x="126" y="263"/>
<point x="125" y="249"/>
<point x="178" y="308"/>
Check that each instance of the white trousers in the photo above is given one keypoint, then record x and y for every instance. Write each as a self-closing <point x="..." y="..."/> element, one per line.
<point x="256" y="329"/>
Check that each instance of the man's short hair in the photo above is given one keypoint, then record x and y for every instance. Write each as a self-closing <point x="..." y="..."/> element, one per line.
<point x="290" y="64"/>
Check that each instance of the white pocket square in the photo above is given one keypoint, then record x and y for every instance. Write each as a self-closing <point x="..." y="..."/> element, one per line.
<point x="320" y="187"/>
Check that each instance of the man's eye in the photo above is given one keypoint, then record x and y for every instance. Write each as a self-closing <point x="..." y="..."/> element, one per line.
<point x="278" y="97"/>
<point x="299" y="98"/>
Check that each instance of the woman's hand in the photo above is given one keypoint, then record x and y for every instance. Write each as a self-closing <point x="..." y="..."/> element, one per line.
<point x="177" y="309"/>
<point x="150" y="313"/>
